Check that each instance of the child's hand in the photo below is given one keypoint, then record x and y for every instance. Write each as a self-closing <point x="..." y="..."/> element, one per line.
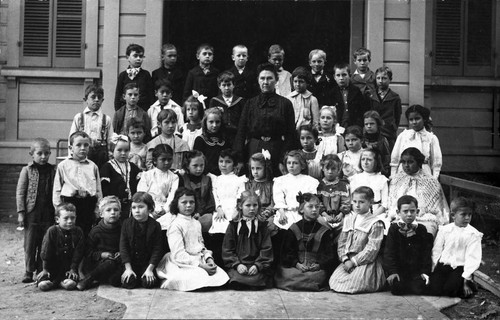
<point x="44" y="275"/>
<point x="425" y="278"/>
<point x="253" y="270"/>
<point x="467" y="289"/>
<point x="314" y="267"/>
<point x="393" y="277"/>
<point x="72" y="274"/>
<point x="349" y="266"/>
<point x="149" y="276"/>
<point x="20" y="220"/>
<point x="210" y="269"/>
<point x="196" y="216"/>
<point x="338" y="218"/>
<point x="301" y="267"/>
<point x="242" y="269"/>
<point x="220" y="215"/>
<point x="283" y="219"/>
<point x="328" y="218"/>
<point x="127" y="274"/>
<point x="107" y="255"/>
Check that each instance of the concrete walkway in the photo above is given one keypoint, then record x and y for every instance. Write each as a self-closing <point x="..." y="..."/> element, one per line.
<point x="272" y="304"/>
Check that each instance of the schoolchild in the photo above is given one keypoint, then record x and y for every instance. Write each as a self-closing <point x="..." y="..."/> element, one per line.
<point x="363" y="77"/>
<point x="135" y="74"/>
<point x="77" y="181"/>
<point x="35" y="212"/>
<point x="131" y="110"/>
<point x="308" y="136"/>
<point x="163" y="92"/>
<point x="247" y="250"/>
<point x="167" y="122"/>
<point x="304" y="103"/>
<point x="102" y="262"/>
<point x="407" y="251"/>
<point x="119" y="176"/>
<point x="245" y="79"/>
<point x="170" y="71"/>
<point x="358" y="248"/>
<point x="229" y="104"/>
<point x="321" y="78"/>
<point x="388" y="105"/>
<point x="138" y="149"/>
<point x="330" y="136"/>
<point x="351" y="157"/>
<point x="189" y="265"/>
<point x="260" y="181"/>
<point x="456" y="253"/>
<point x="193" y="113"/>
<point x="212" y="141"/>
<point x="95" y="123"/>
<point x="63" y="248"/>
<point x="140" y="244"/>
<point x="203" y="77"/>
<point x="308" y="256"/>
<point x="373" y="138"/>
<point x="276" y="56"/>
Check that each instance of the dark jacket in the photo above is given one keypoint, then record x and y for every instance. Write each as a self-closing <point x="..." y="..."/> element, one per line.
<point x="145" y="84"/>
<point x="321" y="88"/>
<point x="357" y="105"/>
<point x="230" y="114"/>
<point x="27" y="187"/>
<point x="245" y="84"/>
<point x="204" y="84"/>
<point x="176" y="77"/>
<point x="390" y="110"/>
<point x="153" y="242"/>
<point x="103" y="238"/>
<point x="119" y="121"/>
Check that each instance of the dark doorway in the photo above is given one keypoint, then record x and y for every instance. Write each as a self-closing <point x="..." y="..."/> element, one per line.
<point x="298" y="26"/>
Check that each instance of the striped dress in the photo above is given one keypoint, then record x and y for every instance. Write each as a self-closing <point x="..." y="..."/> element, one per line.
<point x="360" y="241"/>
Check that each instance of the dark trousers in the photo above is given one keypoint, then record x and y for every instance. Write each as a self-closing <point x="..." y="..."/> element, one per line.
<point x="446" y="281"/>
<point x="85" y="212"/>
<point x="408" y="285"/>
<point x="107" y="271"/>
<point x="99" y="155"/>
<point x="33" y="237"/>
<point x="134" y="282"/>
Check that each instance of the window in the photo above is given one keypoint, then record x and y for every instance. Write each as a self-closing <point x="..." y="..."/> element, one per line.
<point x="52" y="33"/>
<point x="463" y="38"/>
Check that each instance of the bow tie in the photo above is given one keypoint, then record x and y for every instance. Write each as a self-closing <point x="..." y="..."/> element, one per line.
<point x="132" y="72"/>
<point x="407" y="229"/>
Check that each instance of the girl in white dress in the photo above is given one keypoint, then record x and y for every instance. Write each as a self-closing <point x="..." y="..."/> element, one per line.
<point x="193" y="112"/>
<point x="351" y="157"/>
<point x="330" y="133"/>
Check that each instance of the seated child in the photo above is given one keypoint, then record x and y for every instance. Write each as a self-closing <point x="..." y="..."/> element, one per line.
<point x="131" y="110"/>
<point x="35" y="212"/>
<point x="163" y="92"/>
<point x="170" y="71"/>
<point x="260" y="181"/>
<point x="276" y="56"/>
<point x="189" y="265"/>
<point x="203" y="77"/>
<point x="140" y="244"/>
<point x="363" y="77"/>
<point x="138" y="149"/>
<point x="359" y="244"/>
<point x="308" y="254"/>
<point x="351" y="157"/>
<point x="95" y="123"/>
<point x="407" y="252"/>
<point x="304" y="103"/>
<point x="102" y="260"/>
<point x="456" y="253"/>
<point x="309" y="140"/>
<point x="193" y="113"/>
<point x="63" y="248"/>
<point x="321" y="79"/>
<point x="245" y="79"/>
<point x="247" y="249"/>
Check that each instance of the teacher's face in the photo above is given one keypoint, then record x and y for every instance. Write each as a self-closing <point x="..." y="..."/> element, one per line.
<point x="267" y="81"/>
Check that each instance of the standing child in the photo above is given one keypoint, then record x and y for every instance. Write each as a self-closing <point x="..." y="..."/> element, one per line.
<point x="130" y="111"/>
<point x="95" y="123"/>
<point x="77" y="181"/>
<point x="62" y="251"/>
<point x="330" y="135"/>
<point x="245" y="84"/>
<point x="407" y="252"/>
<point x="276" y="56"/>
<point x="308" y="256"/>
<point x="135" y="74"/>
<point x="194" y="113"/>
<point x="167" y="121"/>
<point x="212" y="141"/>
<point x="388" y="105"/>
<point x="261" y="182"/>
<point x="119" y="177"/>
<point x="456" y="253"/>
<point x="334" y="192"/>
<point x="229" y="104"/>
<point x="304" y="103"/>
<point x="247" y="249"/>
<point x="163" y="92"/>
<point x="35" y="212"/>
<point x="170" y="71"/>
<point x="308" y="136"/>
<point x="359" y="244"/>
<point x="189" y="265"/>
<point x="140" y="244"/>
<point x="138" y="149"/>
<point x="103" y="246"/>
<point x="322" y="80"/>
<point x="363" y="77"/>
<point x="418" y="135"/>
<point x="203" y="77"/>
<point x="372" y="138"/>
<point x="351" y="157"/>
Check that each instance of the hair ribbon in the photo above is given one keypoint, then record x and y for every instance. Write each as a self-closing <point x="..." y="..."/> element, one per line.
<point x="266" y="154"/>
<point x="201" y="98"/>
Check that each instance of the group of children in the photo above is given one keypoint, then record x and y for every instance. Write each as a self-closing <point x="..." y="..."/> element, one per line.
<point x="163" y="201"/>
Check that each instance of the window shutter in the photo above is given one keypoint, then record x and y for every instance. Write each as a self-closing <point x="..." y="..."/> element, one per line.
<point x="36" y="37"/>
<point x="68" y="34"/>
<point x="448" y="48"/>
<point x="479" y="53"/>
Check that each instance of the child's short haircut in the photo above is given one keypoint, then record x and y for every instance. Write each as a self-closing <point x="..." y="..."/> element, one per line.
<point x="107" y="200"/>
<point x="298" y="155"/>
<point x="461" y="202"/>
<point x="134" y="47"/>
<point x="76" y="134"/>
<point x="375" y="116"/>
<point x="66" y="206"/>
<point x="355" y="130"/>
<point x="182" y="191"/>
<point x="167" y="114"/>
<point x="302" y="198"/>
<point x="319" y="52"/>
<point x="302" y="73"/>
<point x="229" y="153"/>
<point x="129" y="86"/>
<point x="407" y="199"/>
<point x="216" y="111"/>
<point x="134" y="123"/>
<point x="166" y="47"/>
<point x="141" y="196"/>
<point x="162" y="149"/>
<point x="199" y="106"/>
<point x="239" y="46"/>
<point x="266" y="163"/>
<point x="163" y="83"/>
<point x="267" y="67"/>
<point x="385" y="70"/>
<point x="225" y="76"/>
<point x="379" y="167"/>
<point x="245" y="195"/>
<point x="276" y="48"/>
<point x="330" y="161"/>
<point x="204" y="46"/>
<point x="367" y="191"/>
<point x="190" y="155"/>
<point x="362" y="51"/>
<point x="40" y="143"/>
<point x="342" y="65"/>
<point x="97" y="90"/>
<point x="312" y="130"/>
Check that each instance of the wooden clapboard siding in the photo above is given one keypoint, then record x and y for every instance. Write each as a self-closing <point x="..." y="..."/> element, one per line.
<point x="3" y="61"/>
<point x="132" y="6"/>
<point x="100" y="34"/>
<point x="397" y="30"/>
<point x="132" y="29"/>
<point x="400" y="72"/>
<point x="397" y="9"/>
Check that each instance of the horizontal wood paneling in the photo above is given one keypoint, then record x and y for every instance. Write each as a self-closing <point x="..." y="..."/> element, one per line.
<point x="47" y="90"/>
<point x="132" y="6"/>
<point x="397" y="30"/>
<point x="402" y="90"/>
<point x="47" y="129"/>
<point x="396" y="51"/>
<point x="453" y="138"/>
<point x="467" y="163"/>
<point x="125" y="41"/>
<point x="133" y="25"/>
<point x="397" y="9"/>
<point x="53" y="111"/>
<point x="459" y="100"/>
<point x="2" y="126"/>
<point x="400" y="71"/>
<point x="455" y="118"/>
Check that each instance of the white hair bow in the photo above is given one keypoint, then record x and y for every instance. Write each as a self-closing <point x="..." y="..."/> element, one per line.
<point x="118" y="137"/>
<point x="201" y="98"/>
<point x="266" y="154"/>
